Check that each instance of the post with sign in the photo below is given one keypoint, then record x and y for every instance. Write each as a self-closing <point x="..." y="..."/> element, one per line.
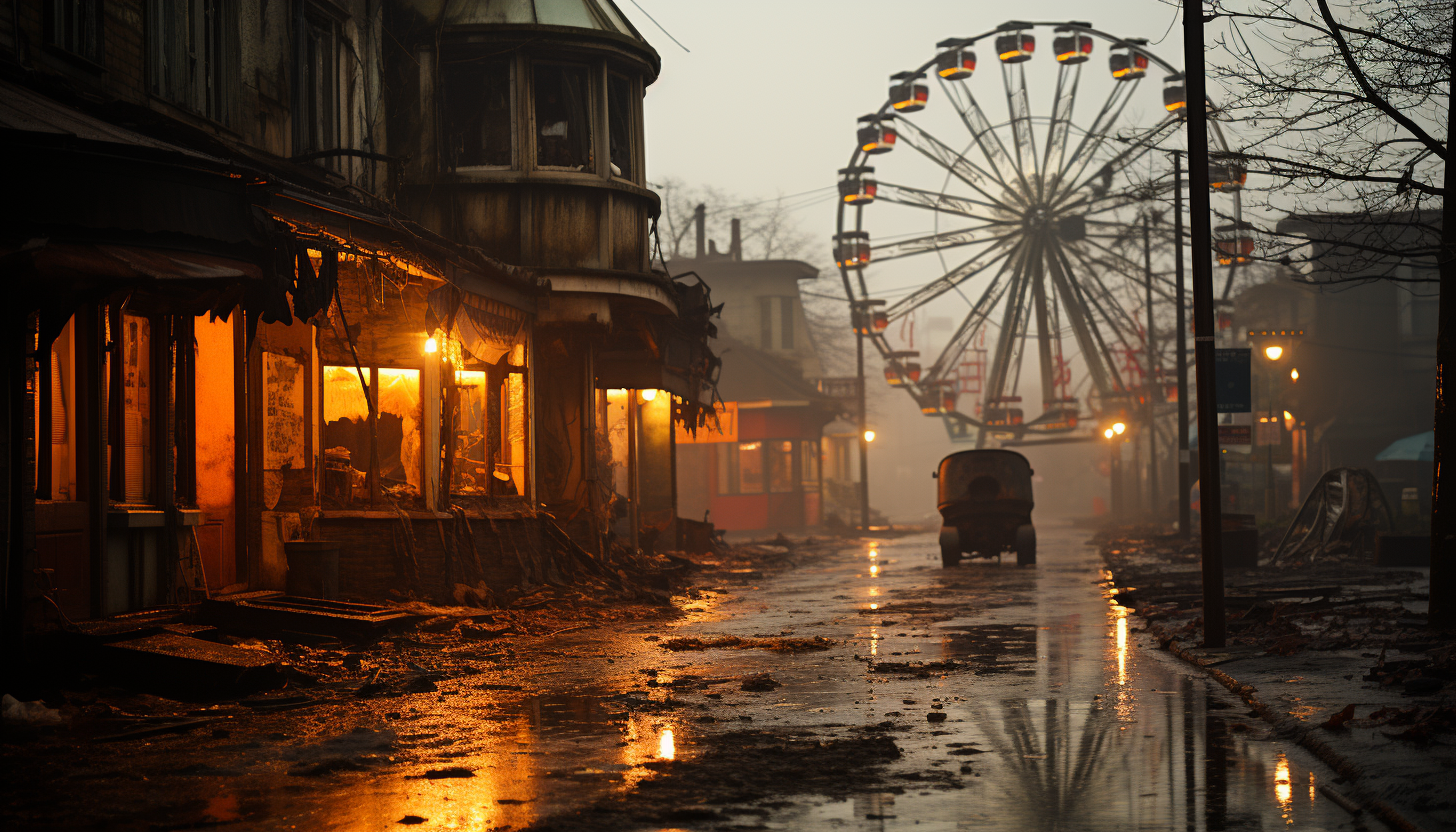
<point x="1214" y="625"/>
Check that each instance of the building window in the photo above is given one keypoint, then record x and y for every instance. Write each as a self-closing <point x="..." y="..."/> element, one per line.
<point x="75" y="26"/>
<point x="750" y="467"/>
<point x="809" y="464"/>
<point x="786" y="323"/>
<point x="478" y="125"/>
<point x="563" y="116"/>
<point x="727" y="465"/>
<point x="620" y="120"/>
<point x="192" y="52"/>
<point x="56" y="420"/>
<point x="347" y="434"/>
<point x="780" y="454"/>
<point x="129" y="439"/>
<point x="316" y="111"/>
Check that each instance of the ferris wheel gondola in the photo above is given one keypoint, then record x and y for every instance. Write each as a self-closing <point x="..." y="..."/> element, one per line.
<point x="1029" y="217"/>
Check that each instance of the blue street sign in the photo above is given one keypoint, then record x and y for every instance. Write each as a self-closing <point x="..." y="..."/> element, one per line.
<point x="1235" y="392"/>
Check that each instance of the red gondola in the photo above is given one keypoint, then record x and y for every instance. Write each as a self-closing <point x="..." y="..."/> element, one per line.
<point x="1015" y="43"/>
<point x="908" y="92"/>
<point x="956" y="61"/>
<point x="857" y="185"/>
<point x="1071" y="46"/>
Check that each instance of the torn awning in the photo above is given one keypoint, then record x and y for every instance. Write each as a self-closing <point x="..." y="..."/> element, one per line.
<point x="485" y="328"/>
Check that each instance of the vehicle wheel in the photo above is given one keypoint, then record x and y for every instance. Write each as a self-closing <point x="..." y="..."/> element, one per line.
<point x="950" y="546"/>
<point x="1026" y="545"/>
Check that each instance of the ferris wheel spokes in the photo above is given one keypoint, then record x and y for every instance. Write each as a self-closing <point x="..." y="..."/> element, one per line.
<point x="1136" y="149"/>
<point x="934" y="200"/>
<point x="976" y="318"/>
<point x="953" y="278"/>
<point x="1094" y="137"/>
<point x="1061" y="123"/>
<point x="1089" y="341"/>
<point x="956" y="163"/>
<point x="991" y="230"/>
<point x="1018" y="103"/>
<point x="981" y="131"/>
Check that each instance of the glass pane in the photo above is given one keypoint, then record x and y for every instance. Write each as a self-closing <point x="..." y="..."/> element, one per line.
<point x="750" y="468"/>
<point x="619" y="114"/>
<point x="724" y="459"/>
<point x="400" y="471"/>
<point x="477" y="113"/>
<point x="346" y="436"/>
<point x="563" y="116"/>
<point x="781" y="465"/>
<point x="512" y="460"/>
<point x="617" y="439"/>
<point x="471" y="473"/>
<point x="136" y="379"/>
<point x="809" y="464"/>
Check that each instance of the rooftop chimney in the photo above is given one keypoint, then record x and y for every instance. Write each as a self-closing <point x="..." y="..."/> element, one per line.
<point x="735" y="243"/>
<point x="700" y="219"/>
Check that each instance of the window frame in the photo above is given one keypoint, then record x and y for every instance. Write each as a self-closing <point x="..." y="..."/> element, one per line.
<point x="593" y="111"/>
<point x="633" y="121"/>
<point x="513" y="109"/>
<point x="193" y="56"/>
<point x="67" y="40"/>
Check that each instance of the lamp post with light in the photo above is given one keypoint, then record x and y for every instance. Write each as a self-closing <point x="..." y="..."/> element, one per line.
<point x="1114" y="463"/>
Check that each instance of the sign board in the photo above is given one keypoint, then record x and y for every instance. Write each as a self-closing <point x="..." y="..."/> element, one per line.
<point x="1234" y="435"/>
<point x="1268" y="433"/>
<point x="1234" y="391"/>
<point x="722" y="427"/>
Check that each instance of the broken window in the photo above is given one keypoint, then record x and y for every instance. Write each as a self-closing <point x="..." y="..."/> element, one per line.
<point x="620" y="120"/>
<point x="347" y="434"/>
<point x="563" y="116"/>
<point x="478" y="124"/>
<point x="192" y="54"/>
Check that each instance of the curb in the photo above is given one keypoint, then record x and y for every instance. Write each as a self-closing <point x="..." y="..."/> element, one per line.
<point x="1301" y="733"/>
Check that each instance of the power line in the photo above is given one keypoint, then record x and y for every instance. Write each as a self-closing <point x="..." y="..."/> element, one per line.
<point x="660" y="26"/>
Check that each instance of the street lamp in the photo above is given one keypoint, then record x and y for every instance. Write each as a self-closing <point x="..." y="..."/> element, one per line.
<point x="1273" y="352"/>
<point x="1294" y="374"/>
<point x="1114" y="466"/>
<point x="869" y="436"/>
<point x="1119" y="428"/>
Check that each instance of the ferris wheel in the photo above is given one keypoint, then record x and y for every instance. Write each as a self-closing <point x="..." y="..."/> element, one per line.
<point x="1017" y="222"/>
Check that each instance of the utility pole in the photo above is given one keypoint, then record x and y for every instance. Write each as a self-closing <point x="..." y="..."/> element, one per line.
<point x="862" y="320"/>
<point x="1150" y="379"/>
<point x="1185" y="480"/>
<point x="1214" y="623"/>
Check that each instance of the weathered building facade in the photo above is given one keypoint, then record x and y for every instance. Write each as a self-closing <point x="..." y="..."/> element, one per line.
<point x="243" y="321"/>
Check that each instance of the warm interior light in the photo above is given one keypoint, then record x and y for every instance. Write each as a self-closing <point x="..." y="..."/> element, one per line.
<point x="869" y="436"/>
<point x="1294" y="375"/>
<point x="1288" y="420"/>
<point x="1119" y="428"/>
<point x="1273" y="352"/>
<point x="649" y="394"/>
<point x="431" y="346"/>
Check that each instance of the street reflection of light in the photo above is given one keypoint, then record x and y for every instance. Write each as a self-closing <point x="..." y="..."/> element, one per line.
<point x="1312" y="790"/>
<point x="874" y="606"/>
<point x="1122" y="645"/>
<point x="874" y="642"/>
<point x="666" y="748"/>
<point x="874" y="569"/>
<point x="1283" y="789"/>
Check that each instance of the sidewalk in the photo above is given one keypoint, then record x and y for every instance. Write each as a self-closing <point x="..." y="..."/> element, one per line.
<point x="1335" y="655"/>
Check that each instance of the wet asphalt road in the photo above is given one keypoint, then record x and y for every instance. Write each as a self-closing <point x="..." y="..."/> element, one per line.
<point x="1057" y="715"/>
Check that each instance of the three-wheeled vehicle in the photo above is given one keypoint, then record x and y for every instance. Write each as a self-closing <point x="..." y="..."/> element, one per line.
<point x="985" y="506"/>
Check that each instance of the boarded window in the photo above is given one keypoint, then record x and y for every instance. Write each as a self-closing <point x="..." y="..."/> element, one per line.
<point x="620" y="119"/>
<point x="563" y="116"/>
<point x="477" y="113"/>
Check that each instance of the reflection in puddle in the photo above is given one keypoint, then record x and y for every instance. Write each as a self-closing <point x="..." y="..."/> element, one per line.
<point x="1121" y="645"/>
<point x="1283" y="788"/>
<point x="666" y="749"/>
<point x="994" y="647"/>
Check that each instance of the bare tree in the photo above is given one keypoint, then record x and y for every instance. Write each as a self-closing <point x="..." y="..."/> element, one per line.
<point x="1347" y="109"/>
<point x="768" y="228"/>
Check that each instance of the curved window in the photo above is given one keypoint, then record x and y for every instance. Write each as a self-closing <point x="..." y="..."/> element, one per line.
<point x="562" y="98"/>
<point x="619" y="121"/>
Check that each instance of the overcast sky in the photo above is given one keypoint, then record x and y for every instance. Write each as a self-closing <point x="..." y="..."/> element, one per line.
<point x="766" y="101"/>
